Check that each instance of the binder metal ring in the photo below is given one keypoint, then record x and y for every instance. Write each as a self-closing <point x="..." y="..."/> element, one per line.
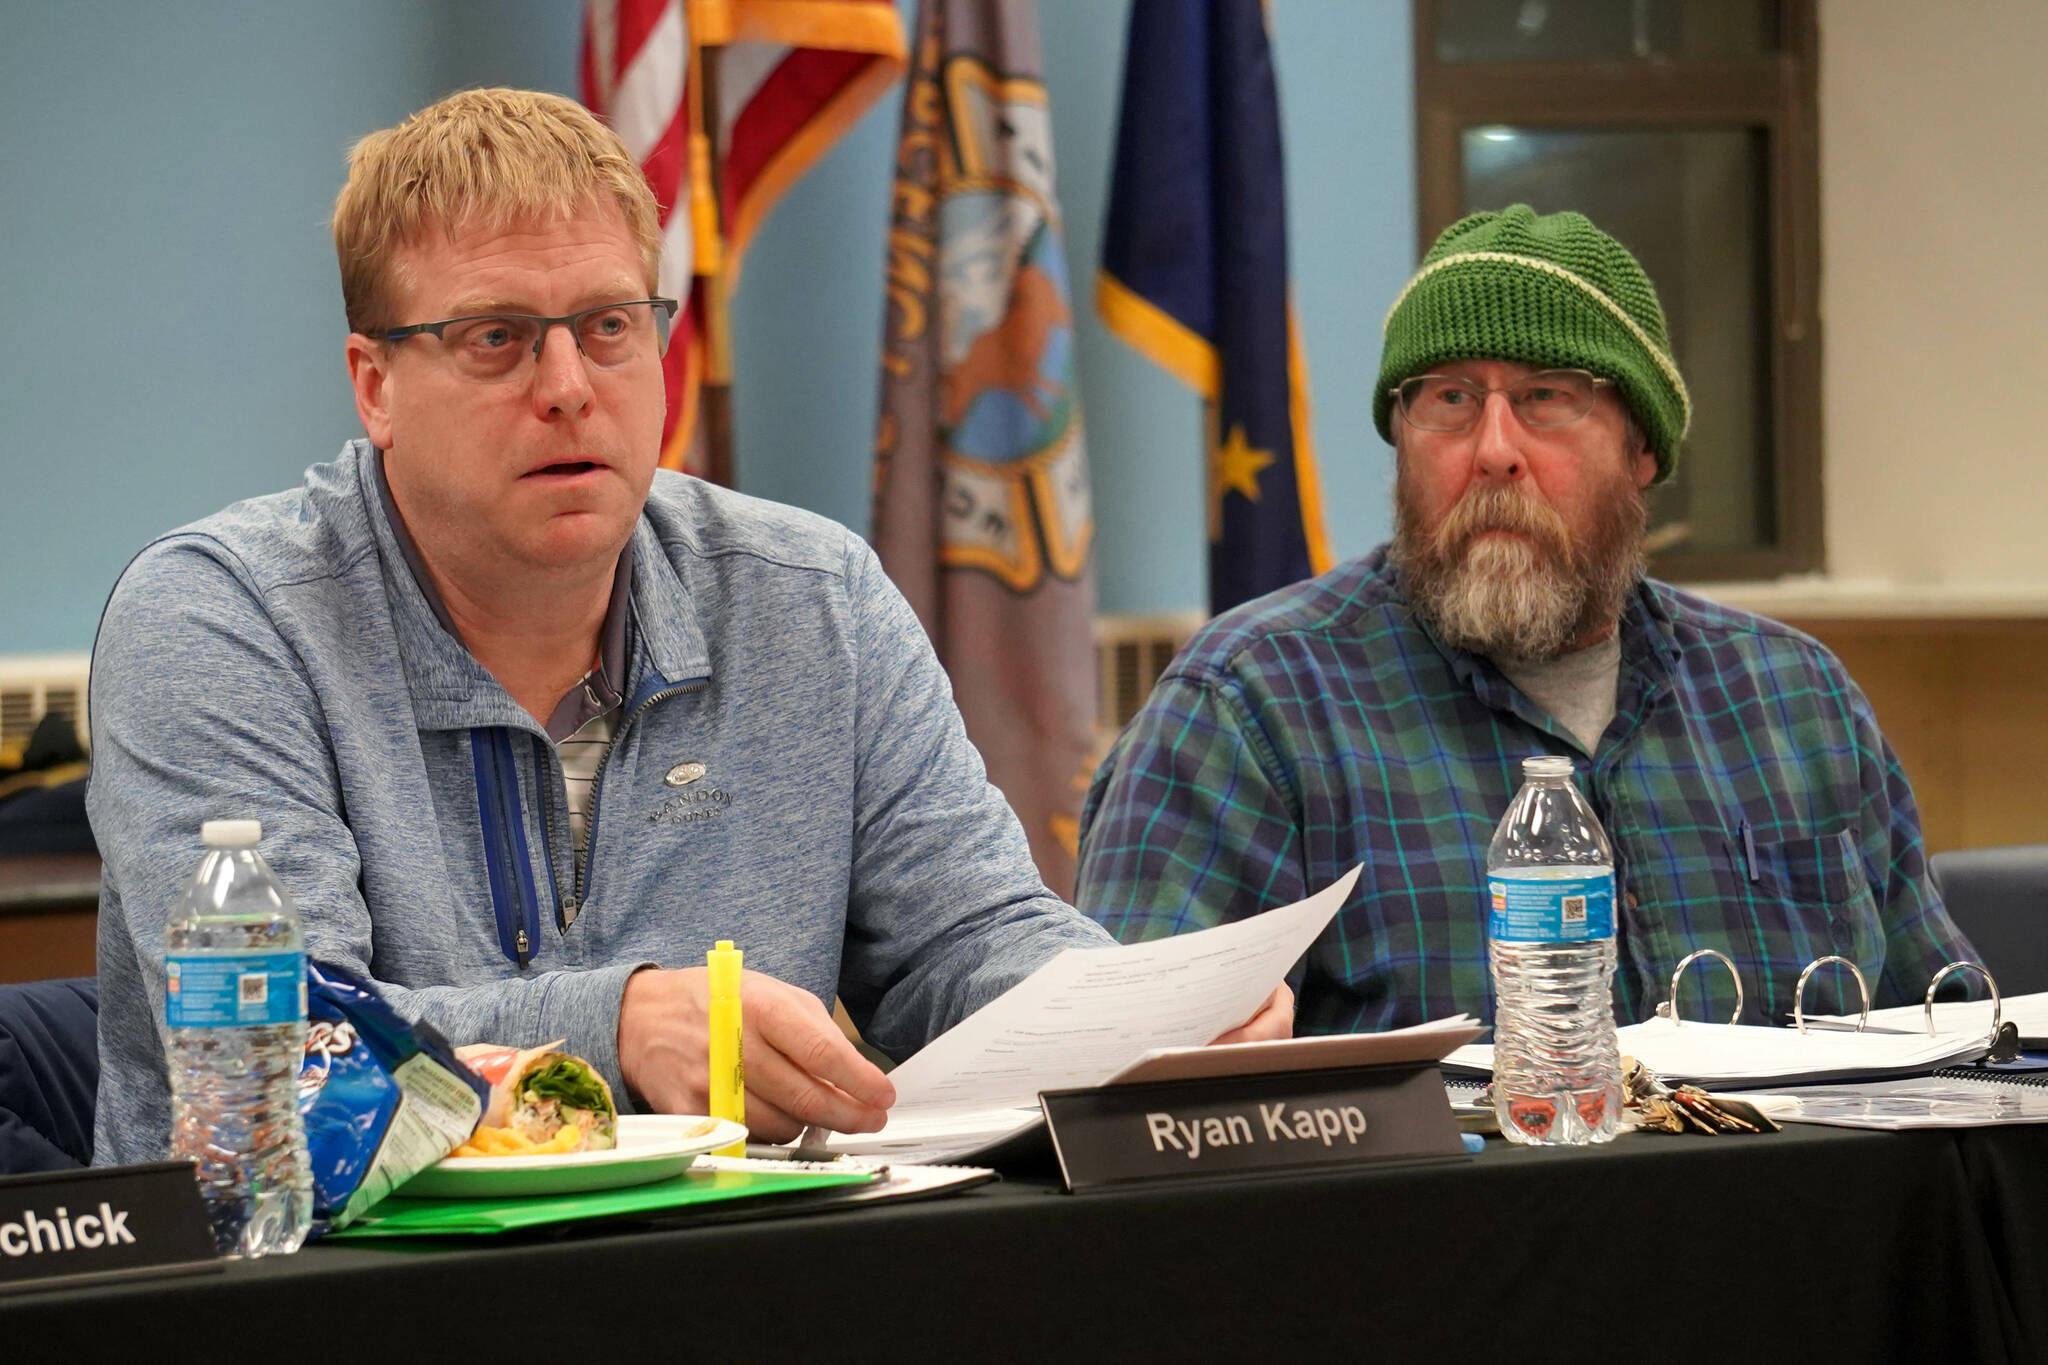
<point x="1669" y="1009"/>
<point x="1997" y="1008"/>
<point x="1799" y="991"/>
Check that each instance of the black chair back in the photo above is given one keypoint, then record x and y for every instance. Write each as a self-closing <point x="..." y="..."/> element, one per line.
<point x="1999" y="898"/>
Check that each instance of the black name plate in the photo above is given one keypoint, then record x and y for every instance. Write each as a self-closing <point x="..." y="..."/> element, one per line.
<point x="59" y="1227"/>
<point x="1245" y="1125"/>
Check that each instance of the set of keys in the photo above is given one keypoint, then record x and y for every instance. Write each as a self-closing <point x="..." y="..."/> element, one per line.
<point x="1687" y="1108"/>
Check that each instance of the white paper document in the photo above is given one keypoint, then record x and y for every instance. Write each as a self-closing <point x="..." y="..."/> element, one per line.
<point x="1083" y="1017"/>
<point x="899" y="1180"/>
<point x="1726" y="1055"/>
<point x="2029" y="1012"/>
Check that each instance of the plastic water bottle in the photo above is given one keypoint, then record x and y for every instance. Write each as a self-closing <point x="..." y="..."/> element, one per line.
<point x="1550" y="941"/>
<point x="235" y="1007"/>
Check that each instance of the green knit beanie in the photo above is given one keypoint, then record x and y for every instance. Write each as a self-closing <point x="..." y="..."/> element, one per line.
<point x="1553" y="291"/>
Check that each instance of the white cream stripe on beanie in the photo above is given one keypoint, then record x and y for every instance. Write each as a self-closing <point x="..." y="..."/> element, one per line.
<point x="1549" y="290"/>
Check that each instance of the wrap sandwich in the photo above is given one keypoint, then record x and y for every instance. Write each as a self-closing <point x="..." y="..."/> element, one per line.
<point x="538" y="1091"/>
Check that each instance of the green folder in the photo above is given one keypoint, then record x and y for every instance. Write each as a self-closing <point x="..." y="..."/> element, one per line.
<point x="402" y="1217"/>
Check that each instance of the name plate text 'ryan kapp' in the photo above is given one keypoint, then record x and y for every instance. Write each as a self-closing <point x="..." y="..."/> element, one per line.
<point x="1277" y="1123"/>
<point x="1243" y="1125"/>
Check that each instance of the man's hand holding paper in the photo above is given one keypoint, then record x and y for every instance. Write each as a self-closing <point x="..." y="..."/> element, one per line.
<point x="801" y="1070"/>
<point x="1274" y="1021"/>
<point x="1089" y="1013"/>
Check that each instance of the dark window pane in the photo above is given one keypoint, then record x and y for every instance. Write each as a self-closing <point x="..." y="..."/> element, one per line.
<point x="1604" y="30"/>
<point x="1691" y="207"/>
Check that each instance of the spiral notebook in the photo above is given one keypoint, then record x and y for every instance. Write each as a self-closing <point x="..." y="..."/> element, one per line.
<point x="2029" y="1068"/>
<point x="1955" y="1097"/>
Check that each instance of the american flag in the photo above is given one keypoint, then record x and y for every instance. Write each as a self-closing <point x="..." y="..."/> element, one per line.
<point x="793" y="75"/>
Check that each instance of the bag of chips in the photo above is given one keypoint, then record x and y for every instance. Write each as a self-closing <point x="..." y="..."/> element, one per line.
<point x="383" y="1099"/>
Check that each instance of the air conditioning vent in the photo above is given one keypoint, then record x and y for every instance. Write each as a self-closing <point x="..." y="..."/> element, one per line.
<point x="35" y="685"/>
<point x="1130" y="654"/>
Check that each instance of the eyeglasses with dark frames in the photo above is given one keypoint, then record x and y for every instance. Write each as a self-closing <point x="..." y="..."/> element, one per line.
<point x="489" y="345"/>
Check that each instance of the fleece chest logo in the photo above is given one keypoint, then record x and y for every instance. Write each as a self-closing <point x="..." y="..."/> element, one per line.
<point x="697" y="801"/>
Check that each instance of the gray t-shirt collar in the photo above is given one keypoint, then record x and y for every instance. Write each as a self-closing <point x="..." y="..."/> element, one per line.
<point x="1579" y="689"/>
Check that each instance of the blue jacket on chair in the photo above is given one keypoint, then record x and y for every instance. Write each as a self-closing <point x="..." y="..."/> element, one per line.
<point x="49" y="1069"/>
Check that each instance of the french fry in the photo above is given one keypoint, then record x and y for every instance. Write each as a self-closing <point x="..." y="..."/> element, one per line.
<point x="488" y="1141"/>
<point x="498" y="1142"/>
<point x="564" y="1141"/>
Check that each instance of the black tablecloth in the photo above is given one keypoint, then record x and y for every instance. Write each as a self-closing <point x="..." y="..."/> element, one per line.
<point x="1815" y="1244"/>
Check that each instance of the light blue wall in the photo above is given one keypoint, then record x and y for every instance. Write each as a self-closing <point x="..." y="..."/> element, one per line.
<point x="173" y="324"/>
<point x="170" y="314"/>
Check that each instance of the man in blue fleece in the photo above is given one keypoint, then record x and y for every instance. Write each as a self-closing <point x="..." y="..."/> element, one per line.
<point x="529" y="725"/>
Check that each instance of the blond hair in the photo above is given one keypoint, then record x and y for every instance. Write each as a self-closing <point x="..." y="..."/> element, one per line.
<point x="488" y="157"/>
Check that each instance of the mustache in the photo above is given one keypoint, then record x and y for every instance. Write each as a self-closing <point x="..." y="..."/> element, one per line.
<point x="1497" y="507"/>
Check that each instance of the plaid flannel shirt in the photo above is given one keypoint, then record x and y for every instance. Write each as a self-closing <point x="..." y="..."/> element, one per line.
<point x="1753" y="806"/>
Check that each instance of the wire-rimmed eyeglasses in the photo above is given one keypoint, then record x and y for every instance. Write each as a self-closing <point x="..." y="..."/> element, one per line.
<point x="1548" y="398"/>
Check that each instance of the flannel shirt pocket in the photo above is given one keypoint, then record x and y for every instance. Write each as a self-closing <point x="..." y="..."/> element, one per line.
<point x="1822" y="871"/>
<point x="1826" y="899"/>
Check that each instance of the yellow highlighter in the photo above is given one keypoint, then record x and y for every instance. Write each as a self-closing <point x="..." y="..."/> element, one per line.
<point x="728" y="1065"/>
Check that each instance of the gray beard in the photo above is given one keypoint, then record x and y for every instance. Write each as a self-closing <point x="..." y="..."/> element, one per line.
<point x="1504" y="598"/>
<point x="1509" y="598"/>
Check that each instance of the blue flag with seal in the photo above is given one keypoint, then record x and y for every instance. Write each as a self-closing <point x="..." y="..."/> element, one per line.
<point x="1194" y="275"/>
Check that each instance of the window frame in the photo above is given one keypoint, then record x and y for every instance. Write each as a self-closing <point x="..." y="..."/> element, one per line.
<point x="1776" y="95"/>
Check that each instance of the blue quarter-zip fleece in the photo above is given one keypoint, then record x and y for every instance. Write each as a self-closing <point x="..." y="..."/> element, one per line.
<point x="277" y="661"/>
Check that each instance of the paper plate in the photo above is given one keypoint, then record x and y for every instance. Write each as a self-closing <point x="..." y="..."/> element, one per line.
<point x="651" y="1147"/>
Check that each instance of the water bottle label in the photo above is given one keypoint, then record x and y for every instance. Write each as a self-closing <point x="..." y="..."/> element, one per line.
<point x="233" y="991"/>
<point x="1549" y="910"/>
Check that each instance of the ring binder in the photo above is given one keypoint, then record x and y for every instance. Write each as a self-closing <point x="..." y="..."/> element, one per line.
<point x="1997" y="1007"/>
<point x="1669" y="1009"/>
<point x="1799" y="991"/>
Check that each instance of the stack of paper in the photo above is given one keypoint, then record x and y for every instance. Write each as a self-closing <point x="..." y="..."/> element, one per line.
<point x="1725" y="1056"/>
<point x="1079" y="1020"/>
<point x="2029" y="1012"/>
<point x="1420" y="1043"/>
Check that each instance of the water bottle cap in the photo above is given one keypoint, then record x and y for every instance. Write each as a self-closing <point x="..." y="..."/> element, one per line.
<point x="1547" y="765"/>
<point x="231" y="833"/>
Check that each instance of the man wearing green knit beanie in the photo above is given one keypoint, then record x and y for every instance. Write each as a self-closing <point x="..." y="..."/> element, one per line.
<point x="1378" y="714"/>
<point x="1519" y="523"/>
